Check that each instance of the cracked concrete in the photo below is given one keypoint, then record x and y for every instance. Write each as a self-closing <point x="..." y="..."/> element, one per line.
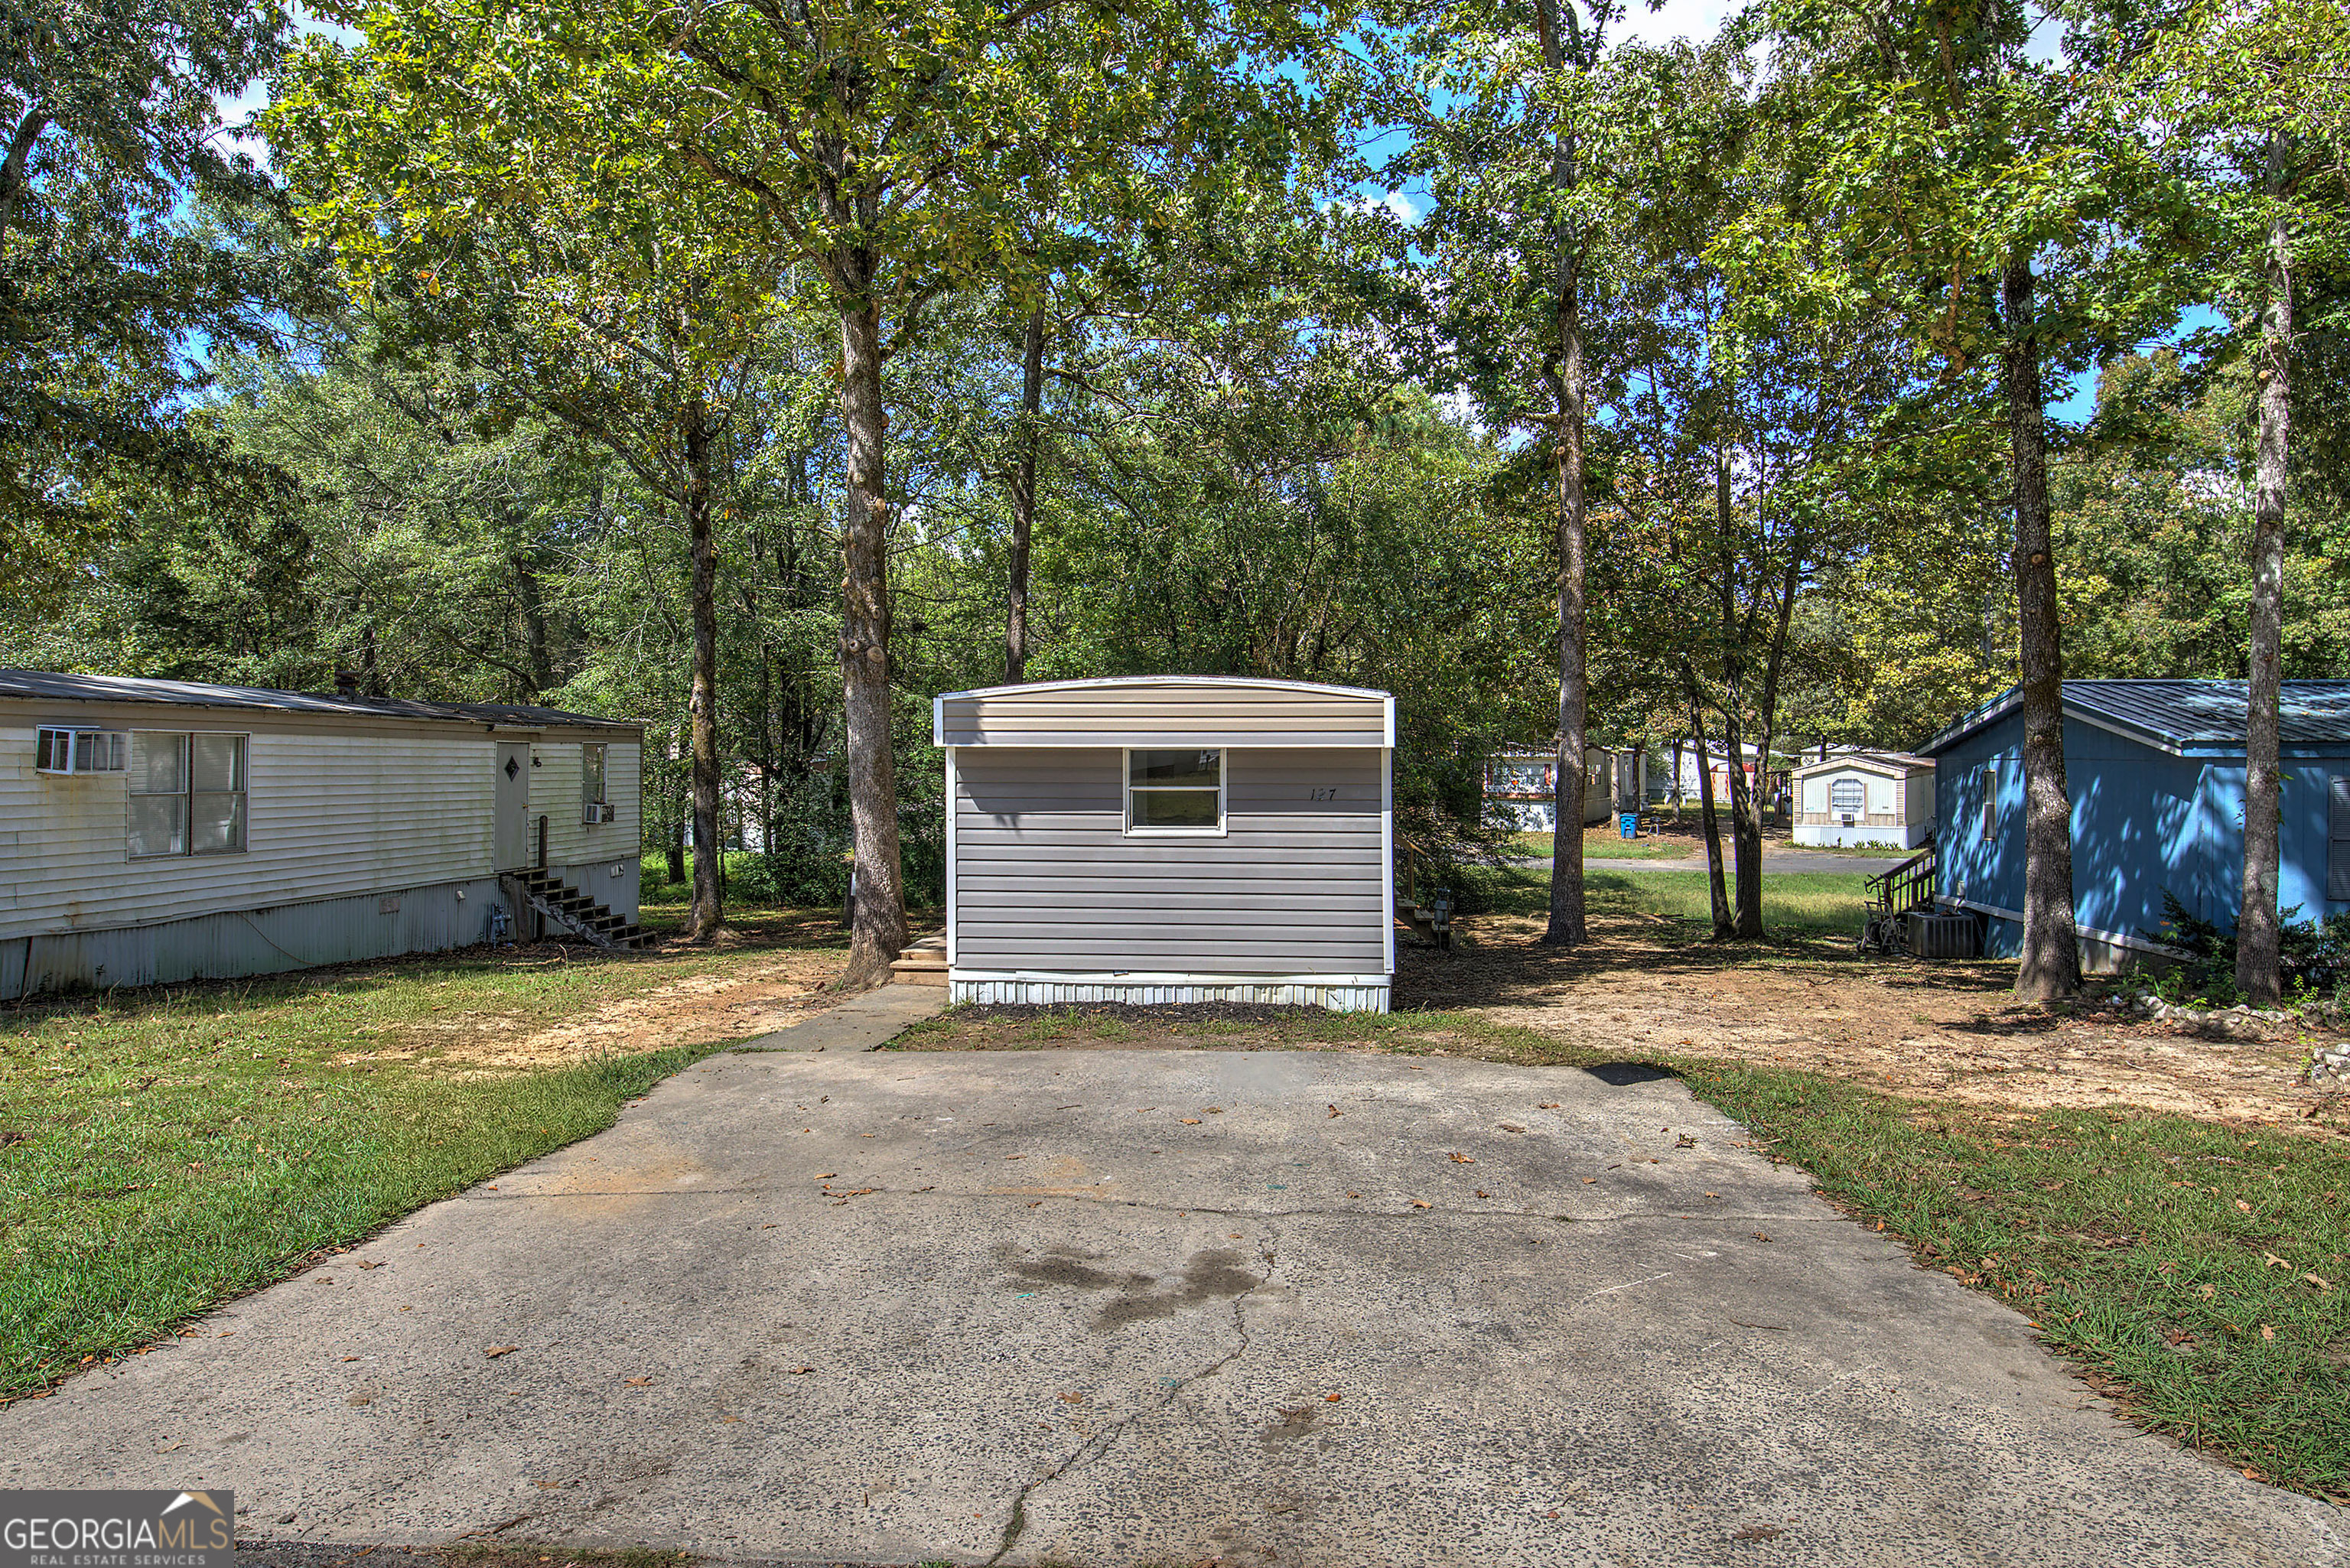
<point x="1123" y="1308"/>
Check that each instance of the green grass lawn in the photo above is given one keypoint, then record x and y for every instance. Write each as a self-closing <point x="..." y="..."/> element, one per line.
<point x="1606" y="843"/>
<point x="1798" y="906"/>
<point x="164" y="1150"/>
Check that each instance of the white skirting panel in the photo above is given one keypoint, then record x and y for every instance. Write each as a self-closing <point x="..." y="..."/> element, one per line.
<point x="1338" y="992"/>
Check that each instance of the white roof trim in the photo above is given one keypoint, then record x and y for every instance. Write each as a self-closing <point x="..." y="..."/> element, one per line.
<point x="1250" y="681"/>
<point x="1883" y="763"/>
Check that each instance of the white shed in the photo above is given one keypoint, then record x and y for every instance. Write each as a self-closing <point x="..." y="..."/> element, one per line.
<point x="1169" y="839"/>
<point x="1864" y="797"/>
<point x="165" y="830"/>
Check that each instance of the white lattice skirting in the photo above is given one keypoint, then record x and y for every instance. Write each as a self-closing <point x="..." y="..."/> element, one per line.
<point x="1338" y="992"/>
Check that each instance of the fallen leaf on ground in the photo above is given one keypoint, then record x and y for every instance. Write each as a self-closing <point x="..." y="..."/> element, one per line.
<point x="1330" y="1398"/>
<point x="1510" y="1127"/>
<point x="369" y="1263"/>
<point x="495" y="1351"/>
<point x="826" y="1175"/>
<point x="2320" y="1284"/>
<point x="1759" y="1237"/>
<point x="1482" y="1192"/>
<point x="2273" y="1261"/>
<point x="1334" y="1111"/>
<point x="797" y="1371"/>
<point x="1462" y="1159"/>
<point x="638" y="1382"/>
<point x="1547" y="1106"/>
<point x="1420" y="1203"/>
<point x="2267" y="1332"/>
<point x="1189" y="1121"/>
<point x="1589" y="1179"/>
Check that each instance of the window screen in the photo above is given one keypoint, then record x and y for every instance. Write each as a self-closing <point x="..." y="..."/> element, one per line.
<point x="591" y="776"/>
<point x="1174" y="792"/>
<point x="159" y="793"/>
<point x="187" y="794"/>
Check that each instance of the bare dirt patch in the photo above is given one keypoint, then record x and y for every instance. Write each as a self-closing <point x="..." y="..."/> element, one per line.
<point x="1937" y="1031"/>
<point x="756" y="994"/>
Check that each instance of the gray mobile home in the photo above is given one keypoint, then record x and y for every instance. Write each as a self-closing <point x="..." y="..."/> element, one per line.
<point x="167" y="830"/>
<point x="1168" y="839"/>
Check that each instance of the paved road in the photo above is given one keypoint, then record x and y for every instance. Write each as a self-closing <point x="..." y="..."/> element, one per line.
<point x="1124" y="1307"/>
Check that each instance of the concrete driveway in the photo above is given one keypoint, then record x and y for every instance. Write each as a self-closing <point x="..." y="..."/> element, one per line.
<point x="1152" y="1307"/>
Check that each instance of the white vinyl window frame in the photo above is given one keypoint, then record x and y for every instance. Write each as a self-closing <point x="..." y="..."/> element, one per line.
<point x="1129" y="788"/>
<point x="187" y="793"/>
<point x="594" y="755"/>
<point x="1848" y="793"/>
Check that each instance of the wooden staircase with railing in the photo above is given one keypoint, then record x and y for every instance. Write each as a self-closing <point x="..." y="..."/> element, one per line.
<point x="575" y="911"/>
<point x="1890" y="897"/>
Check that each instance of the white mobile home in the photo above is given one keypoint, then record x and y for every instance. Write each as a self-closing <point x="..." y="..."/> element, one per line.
<point x="1864" y="797"/>
<point x="163" y="830"/>
<point x="1523" y="785"/>
<point x="1169" y="839"/>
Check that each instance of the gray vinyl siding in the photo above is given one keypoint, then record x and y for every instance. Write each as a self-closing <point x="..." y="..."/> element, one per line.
<point x="1164" y="713"/>
<point x="1045" y="878"/>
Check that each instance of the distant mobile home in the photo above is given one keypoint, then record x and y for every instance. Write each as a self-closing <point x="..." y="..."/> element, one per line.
<point x="1169" y="839"/>
<point x="1865" y="798"/>
<point x="167" y="830"/>
<point x="1521" y="784"/>
<point x="2155" y="769"/>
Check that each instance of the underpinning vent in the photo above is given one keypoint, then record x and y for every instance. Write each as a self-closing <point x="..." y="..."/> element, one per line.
<point x="1050" y="990"/>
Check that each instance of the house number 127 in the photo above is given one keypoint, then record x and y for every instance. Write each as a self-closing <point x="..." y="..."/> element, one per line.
<point x="1328" y="792"/>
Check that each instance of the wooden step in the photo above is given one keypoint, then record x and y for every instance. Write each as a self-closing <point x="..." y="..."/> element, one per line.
<point x="921" y="963"/>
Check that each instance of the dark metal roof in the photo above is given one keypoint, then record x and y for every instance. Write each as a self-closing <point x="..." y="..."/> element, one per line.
<point x="2178" y="714"/>
<point x="42" y="686"/>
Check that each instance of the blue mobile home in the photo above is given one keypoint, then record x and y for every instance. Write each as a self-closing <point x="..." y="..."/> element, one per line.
<point x="2156" y="774"/>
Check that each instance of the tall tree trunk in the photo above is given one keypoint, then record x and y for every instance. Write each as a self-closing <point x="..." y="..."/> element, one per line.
<point x="1024" y="502"/>
<point x="672" y="812"/>
<point x="1708" y="823"/>
<point x="708" y="913"/>
<point x="1568" y="927"/>
<point x="538" y="661"/>
<point x="2051" y="964"/>
<point x="878" y="933"/>
<point x="2256" y="927"/>
<point x="1745" y="814"/>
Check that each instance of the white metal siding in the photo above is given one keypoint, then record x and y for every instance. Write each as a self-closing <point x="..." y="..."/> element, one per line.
<point x="555" y="793"/>
<point x="331" y="811"/>
<point x="1045" y="878"/>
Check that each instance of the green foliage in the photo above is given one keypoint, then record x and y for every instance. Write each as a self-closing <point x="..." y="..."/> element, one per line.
<point x="126" y="229"/>
<point x="2313" y="955"/>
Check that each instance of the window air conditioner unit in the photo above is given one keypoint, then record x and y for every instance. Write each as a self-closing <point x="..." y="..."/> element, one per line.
<point x="62" y="751"/>
<point x="595" y="811"/>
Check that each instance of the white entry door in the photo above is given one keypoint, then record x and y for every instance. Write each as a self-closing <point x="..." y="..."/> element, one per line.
<point x="510" y="835"/>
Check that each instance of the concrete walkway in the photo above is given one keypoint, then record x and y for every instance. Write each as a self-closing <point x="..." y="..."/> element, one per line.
<point x="866" y="1022"/>
<point x="1115" y="1308"/>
